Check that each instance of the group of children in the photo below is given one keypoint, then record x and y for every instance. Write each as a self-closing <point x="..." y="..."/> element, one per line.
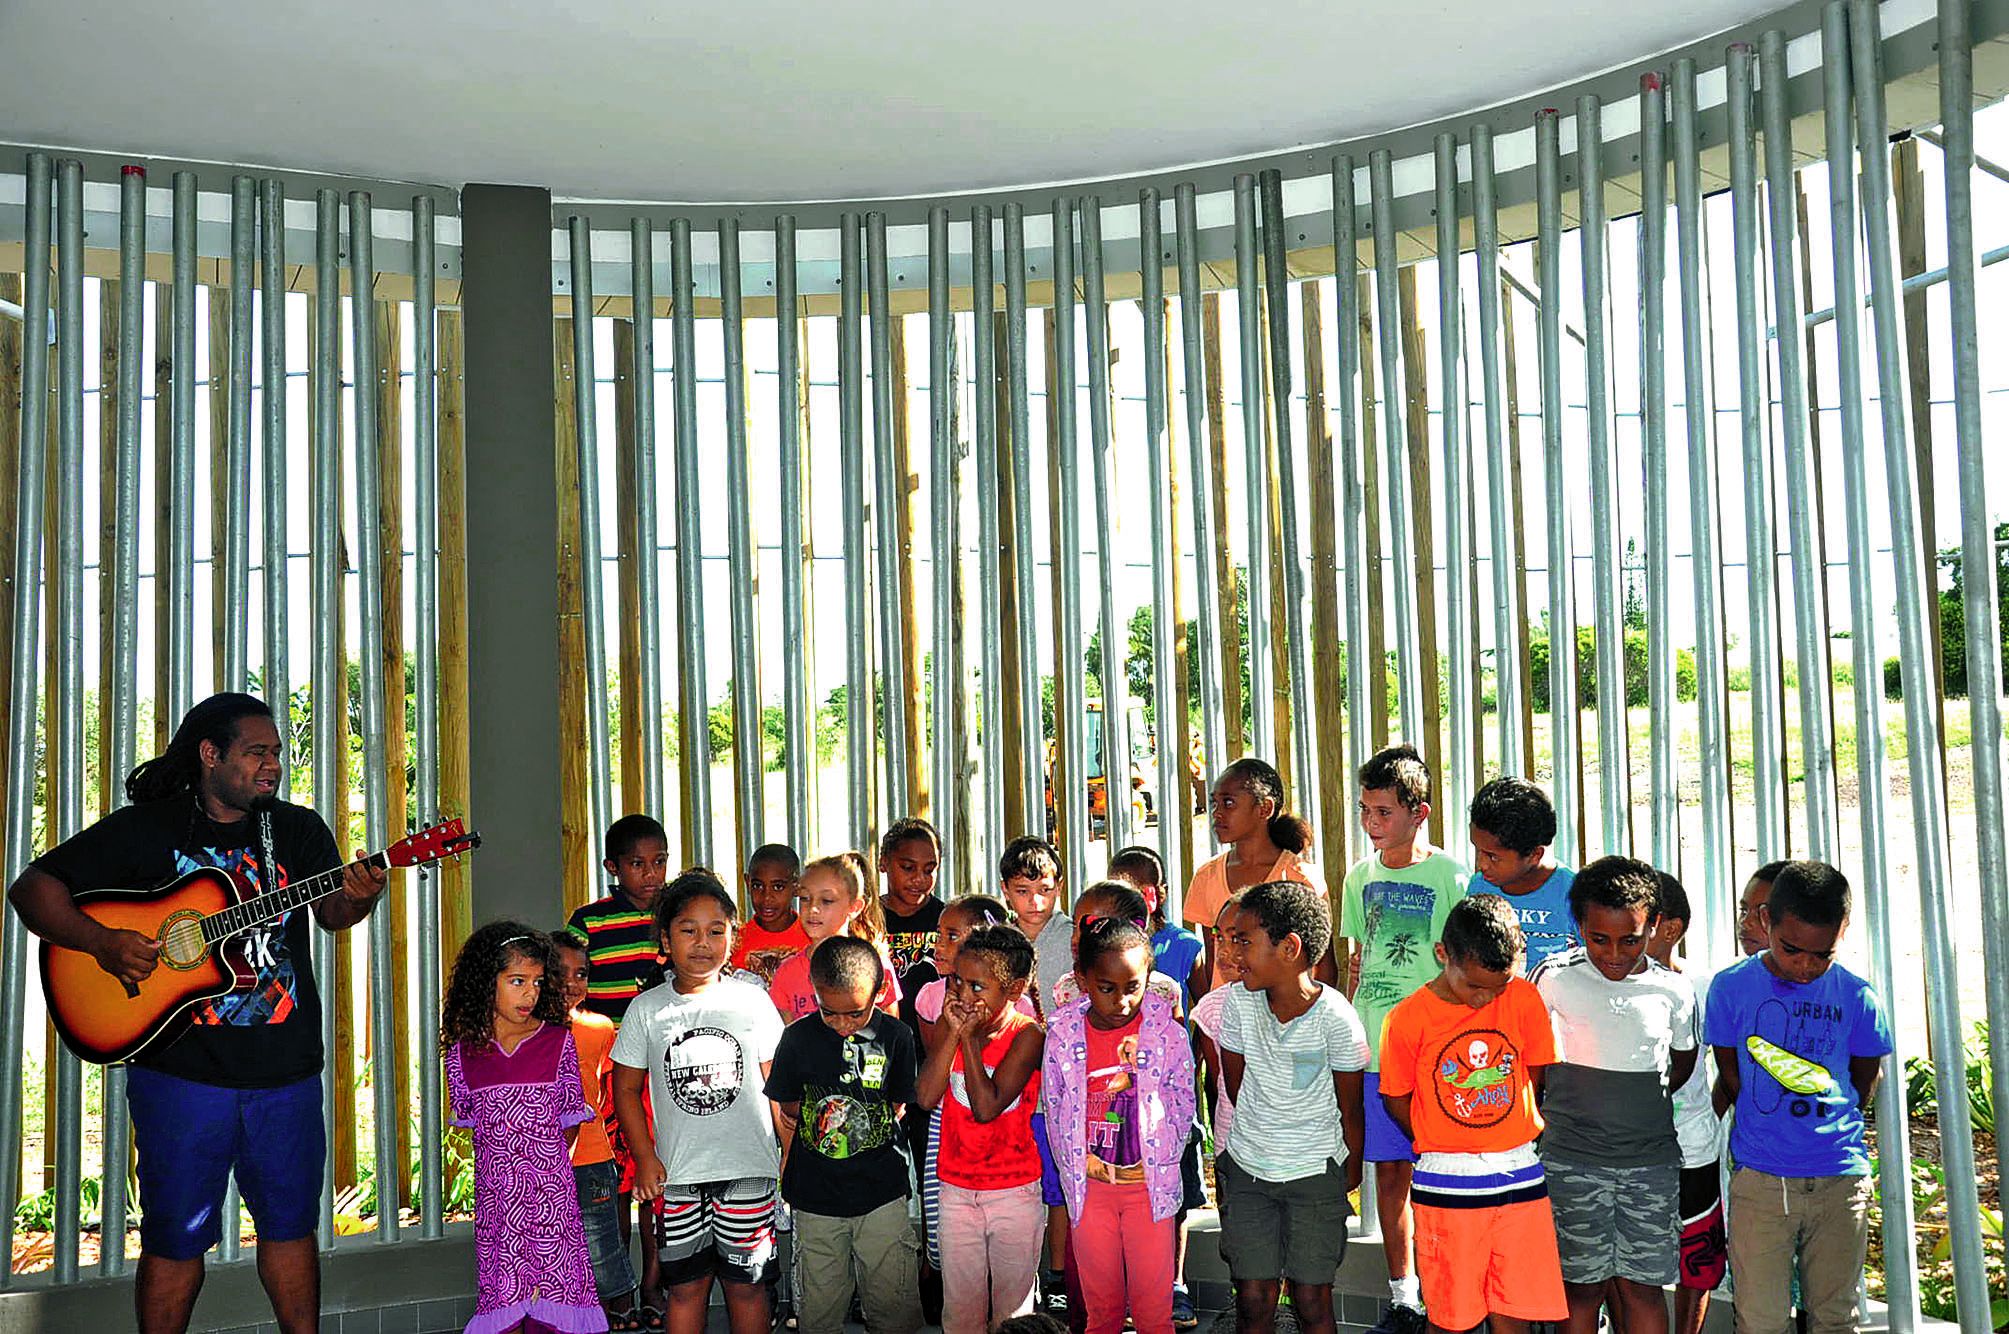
<point x="993" y="1104"/>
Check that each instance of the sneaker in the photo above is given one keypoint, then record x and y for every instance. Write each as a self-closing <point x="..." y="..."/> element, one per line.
<point x="1053" y="1293"/>
<point x="1401" y="1320"/>
<point x="1183" y="1314"/>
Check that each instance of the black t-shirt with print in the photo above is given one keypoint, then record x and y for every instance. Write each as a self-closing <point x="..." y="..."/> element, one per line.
<point x="263" y="1037"/>
<point x="849" y="1156"/>
<point x="910" y="937"/>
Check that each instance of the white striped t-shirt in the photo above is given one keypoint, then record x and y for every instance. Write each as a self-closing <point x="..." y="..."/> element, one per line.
<point x="1287" y="1123"/>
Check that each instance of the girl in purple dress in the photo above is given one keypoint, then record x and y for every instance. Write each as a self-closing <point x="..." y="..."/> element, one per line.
<point x="513" y="1078"/>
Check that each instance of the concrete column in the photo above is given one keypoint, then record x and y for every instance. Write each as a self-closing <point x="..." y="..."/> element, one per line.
<point x="512" y="551"/>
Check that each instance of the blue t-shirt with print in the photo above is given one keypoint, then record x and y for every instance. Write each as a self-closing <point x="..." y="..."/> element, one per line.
<point x="1797" y="1114"/>
<point x="1544" y="912"/>
<point x="1174" y="950"/>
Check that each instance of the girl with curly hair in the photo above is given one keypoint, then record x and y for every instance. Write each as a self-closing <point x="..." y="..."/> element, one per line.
<point x="513" y="1078"/>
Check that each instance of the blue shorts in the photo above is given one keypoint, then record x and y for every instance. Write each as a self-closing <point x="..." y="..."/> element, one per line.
<point x="1049" y="1175"/>
<point x="1385" y="1142"/>
<point x="191" y="1137"/>
<point x="600" y="1220"/>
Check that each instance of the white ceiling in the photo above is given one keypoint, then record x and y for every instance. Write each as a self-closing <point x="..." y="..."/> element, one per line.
<point x="768" y="100"/>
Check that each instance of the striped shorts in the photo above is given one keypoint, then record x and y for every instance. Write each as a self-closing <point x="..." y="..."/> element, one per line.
<point x="717" y="1228"/>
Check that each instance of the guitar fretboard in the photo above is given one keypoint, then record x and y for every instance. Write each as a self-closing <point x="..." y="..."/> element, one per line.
<point x="277" y="903"/>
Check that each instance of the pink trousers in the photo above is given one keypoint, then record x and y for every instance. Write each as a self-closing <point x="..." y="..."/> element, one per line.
<point x="1123" y="1258"/>
<point x="991" y="1244"/>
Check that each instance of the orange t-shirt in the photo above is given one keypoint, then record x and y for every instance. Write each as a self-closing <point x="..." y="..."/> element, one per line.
<point x="1209" y="890"/>
<point x="1467" y="1070"/>
<point x="761" y="951"/>
<point x="593" y="1035"/>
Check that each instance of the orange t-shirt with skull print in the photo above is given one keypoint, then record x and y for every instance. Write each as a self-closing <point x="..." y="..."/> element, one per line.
<point x="1468" y="1072"/>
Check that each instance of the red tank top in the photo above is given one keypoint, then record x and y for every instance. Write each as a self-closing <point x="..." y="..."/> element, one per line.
<point x="997" y="1155"/>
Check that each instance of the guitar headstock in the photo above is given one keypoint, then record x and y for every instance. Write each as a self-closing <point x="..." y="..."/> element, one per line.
<point x="449" y="838"/>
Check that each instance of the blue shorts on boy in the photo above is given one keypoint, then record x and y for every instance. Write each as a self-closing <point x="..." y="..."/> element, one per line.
<point x="1287" y="1137"/>
<point x="1610" y="1150"/>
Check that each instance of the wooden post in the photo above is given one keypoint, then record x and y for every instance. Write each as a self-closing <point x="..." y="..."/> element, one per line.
<point x="1518" y="501"/>
<point x="1177" y="731"/>
<point x="397" y="720"/>
<point x="1376" y="662"/>
<point x="218" y="306"/>
<point x="1426" y="733"/>
<point x="1059" y="776"/>
<point x="903" y="684"/>
<point x="574" y="834"/>
<point x="108" y="534"/>
<point x="1280" y="608"/>
<point x="456" y="905"/>
<point x="1910" y="191"/>
<point x="1229" y="591"/>
<point x="1327" y="628"/>
<point x="1017" y="732"/>
<point x="628" y="569"/>
<point x="163" y="490"/>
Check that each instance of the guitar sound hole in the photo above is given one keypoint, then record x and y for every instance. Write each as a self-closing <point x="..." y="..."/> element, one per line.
<point x="181" y="942"/>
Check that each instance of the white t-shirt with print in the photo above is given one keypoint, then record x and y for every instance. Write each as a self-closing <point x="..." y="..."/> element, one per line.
<point x="703" y="1054"/>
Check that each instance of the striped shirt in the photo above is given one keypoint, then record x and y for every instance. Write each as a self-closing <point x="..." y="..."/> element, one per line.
<point x="1287" y="1121"/>
<point x="621" y="953"/>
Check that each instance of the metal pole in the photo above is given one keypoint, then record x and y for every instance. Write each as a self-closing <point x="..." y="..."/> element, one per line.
<point x="1069" y="664"/>
<point x="1612" y="743"/>
<point x="1506" y="597"/>
<point x="946" y="674"/>
<point x="1984" y="672"/>
<point x="1297" y="614"/>
<point x="124" y="648"/>
<point x="990" y="502"/>
<point x="1032" y="749"/>
<point x="180" y="573"/>
<point x="272" y="455"/>
<point x="1173" y="801"/>
<point x="385" y="1046"/>
<point x="1809" y="575"/>
<point x="1653" y="403"/>
<point x="331" y="729"/>
<point x="795" y="704"/>
<point x="1712" y="906"/>
<point x="1401" y="532"/>
<point x="425" y="490"/>
<point x="885" y="522"/>
<point x="1352" y="500"/>
<point x="592" y="571"/>
<point x="1261" y="700"/>
<point x="1977" y="542"/>
<point x="747" y="764"/>
<point x="30" y="480"/>
<point x="648" y="570"/>
<point x="1893" y="1132"/>
<point x="1456" y="780"/>
<point x="65" y="698"/>
<point x="1760" y="554"/>
<point x="858" y="697"/>
<point x="1567" y="764"/>
<point x="233" y="584"/>
<point x="693" y="729"/>
<point x="1207" y="620"/>
<point x="1102" y="466"/>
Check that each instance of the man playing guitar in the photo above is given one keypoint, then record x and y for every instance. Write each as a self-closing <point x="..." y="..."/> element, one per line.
<point x="240" y="1089"/>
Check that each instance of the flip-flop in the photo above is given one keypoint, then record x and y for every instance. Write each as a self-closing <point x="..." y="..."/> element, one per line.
<point x="625" y="1322"/>
<point x="651" y="1319"/>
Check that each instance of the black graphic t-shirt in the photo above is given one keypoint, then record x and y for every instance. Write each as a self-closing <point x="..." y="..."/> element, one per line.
<point x="262" y="1036"/>
<point x="910" y="937"/>
<point x="849" y="1156"/>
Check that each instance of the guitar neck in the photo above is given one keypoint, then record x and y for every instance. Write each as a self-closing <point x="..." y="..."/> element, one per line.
<point x="274" y="904"/>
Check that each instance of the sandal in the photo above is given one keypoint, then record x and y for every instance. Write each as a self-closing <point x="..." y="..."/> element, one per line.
<point x="650" y="1318"/>
<point x="625" y="1322"/>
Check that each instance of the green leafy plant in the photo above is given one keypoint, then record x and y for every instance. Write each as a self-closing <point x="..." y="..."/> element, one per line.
<point x="1921" y="1085"/>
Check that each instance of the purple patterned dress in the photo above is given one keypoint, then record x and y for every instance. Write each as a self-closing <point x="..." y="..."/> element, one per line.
<point x="530" y="1250"/>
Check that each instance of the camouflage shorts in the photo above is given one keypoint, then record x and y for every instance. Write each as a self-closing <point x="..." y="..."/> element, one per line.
<point x="1617" y="1222"/>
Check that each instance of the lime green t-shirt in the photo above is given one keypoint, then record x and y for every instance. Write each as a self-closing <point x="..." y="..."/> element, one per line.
<point x="1397" y="916"/>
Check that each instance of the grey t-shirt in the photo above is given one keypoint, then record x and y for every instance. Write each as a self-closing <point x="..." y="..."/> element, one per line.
<point x="1606" y="1099"/>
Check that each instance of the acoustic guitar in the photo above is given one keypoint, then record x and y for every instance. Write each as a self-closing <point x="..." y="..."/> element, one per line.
<point x="200" y="921"/>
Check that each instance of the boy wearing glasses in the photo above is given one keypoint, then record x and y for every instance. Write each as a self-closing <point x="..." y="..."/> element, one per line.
<point x="839" y="1081"/>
